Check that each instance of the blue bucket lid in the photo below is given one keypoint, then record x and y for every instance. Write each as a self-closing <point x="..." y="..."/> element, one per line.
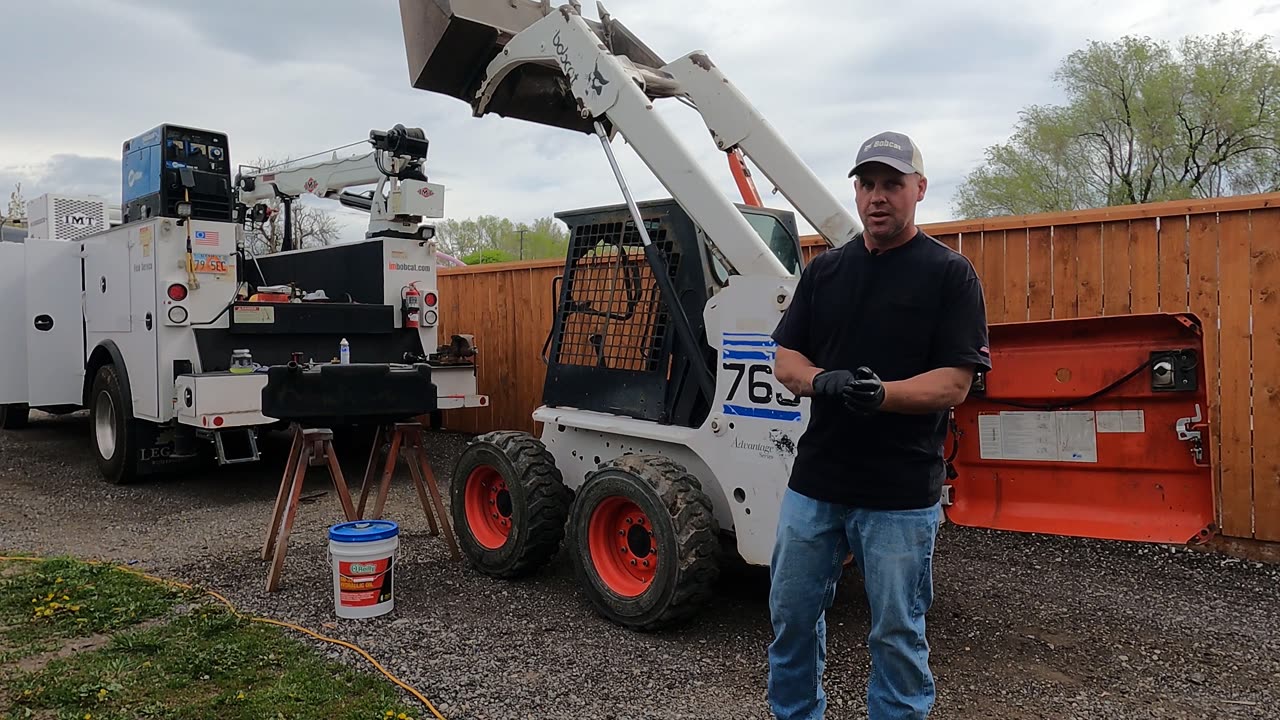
<point x="363" y="531"/>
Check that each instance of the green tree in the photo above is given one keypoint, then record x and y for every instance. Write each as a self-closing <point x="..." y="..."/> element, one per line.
<point x="543" y="238"/>
<point x="489" y="255"/>
<point x="1141" y="123"/>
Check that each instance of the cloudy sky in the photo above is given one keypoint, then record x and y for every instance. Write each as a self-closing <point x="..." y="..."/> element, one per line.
<point x="293" y="78"/>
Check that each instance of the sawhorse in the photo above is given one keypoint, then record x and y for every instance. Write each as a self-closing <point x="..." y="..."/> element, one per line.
<point x="409" y="436"/>
<point x="312" y="447"/>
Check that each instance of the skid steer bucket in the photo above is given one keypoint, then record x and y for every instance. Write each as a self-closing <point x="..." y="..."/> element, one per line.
<point x="450" y="43"/>
<point x="1091" y="427"/>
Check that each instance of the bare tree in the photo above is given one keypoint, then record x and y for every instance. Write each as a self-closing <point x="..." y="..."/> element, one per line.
<point x="311" y="226"/>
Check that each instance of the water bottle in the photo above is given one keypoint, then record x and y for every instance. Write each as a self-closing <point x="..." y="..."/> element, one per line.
<point x="344" y="352"/>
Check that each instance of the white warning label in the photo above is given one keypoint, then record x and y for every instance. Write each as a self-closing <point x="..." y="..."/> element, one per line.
<point x="1061" y="436"/>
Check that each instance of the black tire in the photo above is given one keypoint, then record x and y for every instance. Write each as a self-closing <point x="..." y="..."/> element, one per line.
<point x="14" y="416"/>
<point x="682" y="534"/>
<point x="110" y="411"/>
<point x="515" y="472"/>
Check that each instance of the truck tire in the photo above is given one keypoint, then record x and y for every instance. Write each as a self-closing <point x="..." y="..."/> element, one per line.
<point x="111" y="429"/>
<point x="14" y="416"/>
<point x="645" y="542"/>
<point x="509" y="503"/>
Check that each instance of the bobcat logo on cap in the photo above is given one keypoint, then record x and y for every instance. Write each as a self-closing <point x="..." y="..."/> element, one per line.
<point x="881" y="143"/>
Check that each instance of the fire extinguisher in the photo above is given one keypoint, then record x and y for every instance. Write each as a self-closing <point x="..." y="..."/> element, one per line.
<point x="411" y="304"/>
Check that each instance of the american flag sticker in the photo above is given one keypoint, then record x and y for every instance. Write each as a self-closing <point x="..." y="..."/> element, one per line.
<point x="206" y="237"/>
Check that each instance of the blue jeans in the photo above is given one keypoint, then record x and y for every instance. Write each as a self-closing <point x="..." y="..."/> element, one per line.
<point x="894" y="550"/>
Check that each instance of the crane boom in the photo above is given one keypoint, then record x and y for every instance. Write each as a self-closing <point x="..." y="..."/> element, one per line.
<point x="324" y="179"/>
<point x="401" y="199"/>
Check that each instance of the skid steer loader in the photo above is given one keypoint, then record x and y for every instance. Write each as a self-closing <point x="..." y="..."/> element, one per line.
<point x="664" y="428"/>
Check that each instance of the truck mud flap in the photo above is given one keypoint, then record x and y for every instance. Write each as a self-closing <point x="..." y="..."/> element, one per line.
<point x="1091" y="427"/>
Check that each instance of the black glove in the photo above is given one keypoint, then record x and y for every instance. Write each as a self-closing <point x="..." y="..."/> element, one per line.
<point x="864" y="393"/>
<point x="831" y="383"/>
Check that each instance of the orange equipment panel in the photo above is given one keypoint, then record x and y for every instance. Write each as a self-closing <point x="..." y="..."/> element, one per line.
<point x="1090" y="427"/>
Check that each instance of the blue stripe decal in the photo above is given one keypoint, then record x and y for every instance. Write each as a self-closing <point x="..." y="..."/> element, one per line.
<point x="759" y="412"/>
<point x="745" y="334"/>
<point x="749" y="343"/>
<point x="747" y="355"/>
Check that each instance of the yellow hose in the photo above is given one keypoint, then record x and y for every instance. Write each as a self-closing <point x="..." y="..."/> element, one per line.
<point x="269" y="621"/>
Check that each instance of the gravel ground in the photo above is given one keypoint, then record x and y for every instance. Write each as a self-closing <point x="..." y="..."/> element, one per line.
<point x="1022" y="627"/>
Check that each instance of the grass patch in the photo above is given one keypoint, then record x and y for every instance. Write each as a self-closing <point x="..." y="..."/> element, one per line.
<point x="205" y="662"/>
<point x="46" y="602"/>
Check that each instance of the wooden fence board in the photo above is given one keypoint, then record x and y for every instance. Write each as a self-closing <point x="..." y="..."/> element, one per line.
<point x="1039" y="274"/>
<point x="1144" y="256"/>
<point x="1015" y="273"/>
<point x="1065" y="304"/>
<point x="1116" y="268"/>
<point x="994" y="287"/>
<point x="1174" y="272"/>
<point x="1203" y="256"/>
<point x="1234" y="298"/>
<point x="1089" y="270"/>
<point x="1265" y="252"/>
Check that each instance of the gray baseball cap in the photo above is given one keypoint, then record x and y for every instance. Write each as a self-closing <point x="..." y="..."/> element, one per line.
<point x="893" y="149"/>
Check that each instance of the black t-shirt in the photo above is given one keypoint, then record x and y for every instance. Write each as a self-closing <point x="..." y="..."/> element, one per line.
<point x="901" y="312"/>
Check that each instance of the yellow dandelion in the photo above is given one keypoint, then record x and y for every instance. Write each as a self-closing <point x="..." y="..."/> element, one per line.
<point x="240" y="695"/>
<point x="64" y="597"/>
<point x="88" y="716"/>
<point x="146" y="663"/>
<point x="402" y="716"/>
<point x="57" y="581"/>
<point x="391" y="713"/>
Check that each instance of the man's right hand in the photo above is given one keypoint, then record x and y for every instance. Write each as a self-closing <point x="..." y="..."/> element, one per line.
<point x="832" y="383"/>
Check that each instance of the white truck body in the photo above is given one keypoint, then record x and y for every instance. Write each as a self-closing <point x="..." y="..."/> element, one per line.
<point x="67" y="306"/>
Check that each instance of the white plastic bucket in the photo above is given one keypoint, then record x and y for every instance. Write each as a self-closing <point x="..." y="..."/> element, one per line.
<point x="363" y="555"/>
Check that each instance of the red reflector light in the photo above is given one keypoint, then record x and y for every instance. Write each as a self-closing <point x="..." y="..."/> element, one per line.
<point x="430" y="299"/>
<point x="177" y="292"/>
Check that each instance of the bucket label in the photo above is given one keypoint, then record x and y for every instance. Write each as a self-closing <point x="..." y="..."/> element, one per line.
<point x="363" y="583"/>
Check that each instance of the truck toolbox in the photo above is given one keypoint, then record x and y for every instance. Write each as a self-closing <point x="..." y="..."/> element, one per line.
<point x="348" y="394"/>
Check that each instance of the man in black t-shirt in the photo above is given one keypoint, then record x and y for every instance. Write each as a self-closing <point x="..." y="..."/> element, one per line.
<point x="884" y="334"/>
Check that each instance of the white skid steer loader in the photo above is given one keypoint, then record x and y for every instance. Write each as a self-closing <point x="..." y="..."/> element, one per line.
<point x="664" y="429"/>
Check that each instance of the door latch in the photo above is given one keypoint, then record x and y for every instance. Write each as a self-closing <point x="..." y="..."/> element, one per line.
<point x="1190" y="429"/>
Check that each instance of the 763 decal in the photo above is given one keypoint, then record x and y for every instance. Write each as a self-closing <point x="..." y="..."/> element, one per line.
<point x="753" y="390"/>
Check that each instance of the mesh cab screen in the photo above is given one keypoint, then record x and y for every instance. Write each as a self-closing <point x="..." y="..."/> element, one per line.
<point x="611" y="315"/>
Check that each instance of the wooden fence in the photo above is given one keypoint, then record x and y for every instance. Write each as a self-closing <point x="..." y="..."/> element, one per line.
<point x="1219" y="259"/>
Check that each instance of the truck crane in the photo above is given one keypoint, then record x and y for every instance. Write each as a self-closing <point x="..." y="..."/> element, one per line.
<point x="663" y="429"/>
<point x="167" y="334"/>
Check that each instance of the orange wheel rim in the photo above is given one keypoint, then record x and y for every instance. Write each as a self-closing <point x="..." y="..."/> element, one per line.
<point x="623" y="548"/>
<point x="488" y="506"/>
